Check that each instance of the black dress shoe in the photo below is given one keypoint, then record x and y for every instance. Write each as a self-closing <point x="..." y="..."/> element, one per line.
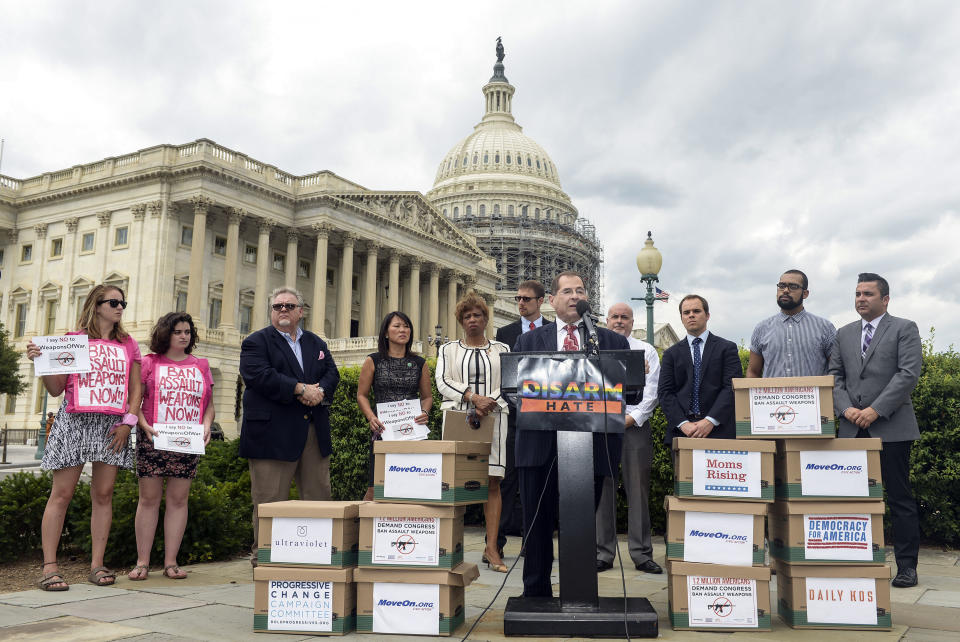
<point x="906" y="577"/>
<point x="603" y="566"/>
<point x="649" y="567"/>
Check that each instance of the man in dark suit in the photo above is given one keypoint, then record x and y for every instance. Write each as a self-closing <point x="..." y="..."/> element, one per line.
<point x="876" y="363"/>
<point x="696" y="373"/>
<point x="288" y="373"/>
<point x="529" y="298"/>
<point x="536" y="450"/>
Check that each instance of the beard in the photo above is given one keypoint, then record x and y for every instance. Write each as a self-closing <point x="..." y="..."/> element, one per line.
<point x="789" y="304"/>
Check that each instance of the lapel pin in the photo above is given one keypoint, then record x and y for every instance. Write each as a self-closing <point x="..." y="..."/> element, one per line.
<point x="320" y="358"/>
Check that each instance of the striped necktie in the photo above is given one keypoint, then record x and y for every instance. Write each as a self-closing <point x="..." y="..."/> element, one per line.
<point x="867" y="338"/>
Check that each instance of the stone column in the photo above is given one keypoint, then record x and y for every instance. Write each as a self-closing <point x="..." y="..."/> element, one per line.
<point x="491" y="300"/>
<point x="413" y="298"/>
<point x="345" y="287"/>
<point x="291" y="272"/>
<point x="228" y="308"/>
<point x="368" y="300"/>
<point x="452" y="327"/>
<point x="64" y="321"/>
<point x="263" y="269"/>
<point x="195" y="294"/>
<point x="434" y="302"/>
<point x="393" y="291"/>
<point x="138" y="290"/>
<point x="319" y="315"/>
<point x="104" y="251"/>
<point x="40" y="251"/>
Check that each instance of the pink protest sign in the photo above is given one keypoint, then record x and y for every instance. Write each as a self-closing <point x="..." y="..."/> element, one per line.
<point x="104" y="388"/>
<point x="178" y="394"/>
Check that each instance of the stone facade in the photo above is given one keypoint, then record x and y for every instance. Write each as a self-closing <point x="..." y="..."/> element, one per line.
<point x="202" y="228"/>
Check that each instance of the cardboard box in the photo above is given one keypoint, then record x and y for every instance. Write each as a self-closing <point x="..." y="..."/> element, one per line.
<point x="302" y="533"/>
<point x="448" y="473"/>
<point x="828" y="469"/>
<point x="834" y="597"/>
<point x="456" y="428"/>
<point x="798" y="407"/>
<point x="411" y="536"/>
<point x="827" y="532"/>
<point x="723" y="469"/>
<point x="729" y="533"/>
<point x="417" y="602"/>
<point x="716" y="597"/>
<point x="304" y="600"/>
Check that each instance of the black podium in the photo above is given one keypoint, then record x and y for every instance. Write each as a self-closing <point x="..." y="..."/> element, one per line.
<point x="579" y="611"/>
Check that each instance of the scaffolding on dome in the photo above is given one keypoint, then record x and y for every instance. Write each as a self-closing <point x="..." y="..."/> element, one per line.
<point x="525" y="248"/>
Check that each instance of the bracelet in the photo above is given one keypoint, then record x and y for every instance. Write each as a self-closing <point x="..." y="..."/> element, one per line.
<point x="130" y="419"/>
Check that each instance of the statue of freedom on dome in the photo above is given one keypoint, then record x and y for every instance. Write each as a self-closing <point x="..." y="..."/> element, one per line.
<point x="500" y="54"/>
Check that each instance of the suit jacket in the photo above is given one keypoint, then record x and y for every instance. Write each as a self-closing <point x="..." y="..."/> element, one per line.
<point x="720" y="363"/>
<point x="275" y="423"/>
<point x="883" y="379"/>
<point x="536" y="447"/>
<point x="509" y="334"/>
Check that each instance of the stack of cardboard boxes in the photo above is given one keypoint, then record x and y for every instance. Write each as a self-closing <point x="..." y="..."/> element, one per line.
<point x="826" y="525"/>
<point x="407" y="547"/>
<point x="717" y="578"/>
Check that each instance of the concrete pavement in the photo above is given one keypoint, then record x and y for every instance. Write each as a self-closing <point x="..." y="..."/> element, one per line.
<point x="216" y="603"/>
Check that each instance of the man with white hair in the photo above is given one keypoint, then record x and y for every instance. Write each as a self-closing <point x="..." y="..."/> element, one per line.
<point x="288" y="374"/>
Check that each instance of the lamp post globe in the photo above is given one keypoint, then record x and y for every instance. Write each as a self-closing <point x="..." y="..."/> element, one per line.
<point x="649" y="262"/>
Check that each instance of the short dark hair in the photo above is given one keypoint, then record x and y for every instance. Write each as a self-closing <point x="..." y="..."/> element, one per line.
<point x="556" y="280"/>
<point x="706" y="306"/>
<point x="383" y="343"/>
<point x="882" y="284"/>
<point x="535" y="286"/>
<point x="803" y="277"/>
<point x="469" y="302"/>
<point x="160" y="335"/>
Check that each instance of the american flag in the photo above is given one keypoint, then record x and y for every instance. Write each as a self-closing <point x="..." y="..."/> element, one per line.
<point x="662" y="295"/>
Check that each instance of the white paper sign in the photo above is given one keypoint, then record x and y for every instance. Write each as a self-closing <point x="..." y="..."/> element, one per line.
<point x="406" y="608"/>
<point x="299" y="606"/>
<point x="406" y="540"/>
<point x="398" y="422"/>
<point x="412" y="475"/>
<point x="785" y="411"/>
<point x="837" y="537"/>
<point x="834" y="473"/>
<point x="718" y="538"/>
<point x="179" y="438"/>
<point x="62" y="355"/>
<point x="303" y="540"/>
<point x="842" y="600"/>
<point x="722" y="602"/>
<point x="726" y="472"/>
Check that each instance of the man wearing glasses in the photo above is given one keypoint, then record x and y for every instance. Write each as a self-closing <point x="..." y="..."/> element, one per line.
<point x="529" y="298"/>
<point x="289" y="377"/>
<point x="794" y="342"/>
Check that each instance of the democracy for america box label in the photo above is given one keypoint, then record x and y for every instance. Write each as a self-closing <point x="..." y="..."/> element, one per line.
<point x="726" y="473"/>
<point x="299" y="606"/>
<point x="838" y="537"/>
<point x="413" y="541"/>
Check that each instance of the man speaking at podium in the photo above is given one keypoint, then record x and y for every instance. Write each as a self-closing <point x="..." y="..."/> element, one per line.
<point x="536" y="450"/>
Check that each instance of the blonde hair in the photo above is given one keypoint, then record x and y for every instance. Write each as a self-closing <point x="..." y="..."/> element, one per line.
<point x="88" y="314"/>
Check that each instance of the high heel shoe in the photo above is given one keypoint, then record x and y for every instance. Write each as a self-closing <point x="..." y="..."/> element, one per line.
<point x="499" y="568"/>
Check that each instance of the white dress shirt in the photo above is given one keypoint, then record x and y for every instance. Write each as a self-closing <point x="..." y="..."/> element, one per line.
<point x="562" y="333"/>
<point x="645" y="408"/>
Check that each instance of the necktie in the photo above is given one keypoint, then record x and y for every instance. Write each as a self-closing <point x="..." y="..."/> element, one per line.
<point x="570" y="342"/>
<point x="867" y="338"/>
<point x="695" y="394"/>
<point x="533" y="326"/>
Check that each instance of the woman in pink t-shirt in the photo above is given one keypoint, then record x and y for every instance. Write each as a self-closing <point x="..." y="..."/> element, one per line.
<point x="93" y="425"/>
<point x="177" y="389"/>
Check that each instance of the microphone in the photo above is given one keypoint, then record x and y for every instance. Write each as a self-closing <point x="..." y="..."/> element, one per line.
<point x="583" y="309"/>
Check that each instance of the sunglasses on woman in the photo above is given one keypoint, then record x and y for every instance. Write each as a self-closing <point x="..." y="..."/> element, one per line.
<point x="114" y="303"/>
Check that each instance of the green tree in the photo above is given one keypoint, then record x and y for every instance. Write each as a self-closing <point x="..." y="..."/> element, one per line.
<point x="10" y="381"/>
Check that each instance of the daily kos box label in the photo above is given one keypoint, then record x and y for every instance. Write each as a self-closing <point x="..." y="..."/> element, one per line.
<point x="413" y="475"/>
<point x="834" y="473"/>
<point x="841" y="600"/>
<point x="299" y="606"/>
<point x="726" y="472"/>
<point x="722" y="602"/>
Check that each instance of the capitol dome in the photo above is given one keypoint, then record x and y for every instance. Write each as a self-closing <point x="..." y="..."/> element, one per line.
<point x="501" y="186"/>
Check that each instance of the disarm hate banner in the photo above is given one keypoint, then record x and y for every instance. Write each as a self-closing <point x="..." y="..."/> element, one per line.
<point x="581" y="395"/>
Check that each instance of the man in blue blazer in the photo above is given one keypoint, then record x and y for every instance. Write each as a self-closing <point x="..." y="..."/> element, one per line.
<point x="535" y="449"/>
<point x="288" y="373"/>
<point x="696" y="374"/>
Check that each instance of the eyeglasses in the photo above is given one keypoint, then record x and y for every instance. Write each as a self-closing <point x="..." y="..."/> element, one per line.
<point x="793" y="287"/>
<point x="114" y="303"/>
<point x="525" y="299"/>
<point x="285" y="306"/>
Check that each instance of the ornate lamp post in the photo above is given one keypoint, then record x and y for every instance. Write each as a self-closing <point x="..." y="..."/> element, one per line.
<point x="649" y="261"/>
<point x="437" y="339"/>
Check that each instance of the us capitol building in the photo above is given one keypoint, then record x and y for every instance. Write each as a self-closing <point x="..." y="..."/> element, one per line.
<point x="206" y="229"/>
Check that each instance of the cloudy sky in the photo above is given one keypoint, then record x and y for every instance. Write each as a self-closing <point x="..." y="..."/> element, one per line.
<point x="750" y="137"/>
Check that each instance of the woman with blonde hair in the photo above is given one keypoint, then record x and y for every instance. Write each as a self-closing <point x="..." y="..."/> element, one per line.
<point x="93" y="425"/>
<point x="468" y="377"/>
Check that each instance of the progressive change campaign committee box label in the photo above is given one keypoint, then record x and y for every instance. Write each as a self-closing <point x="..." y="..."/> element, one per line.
<point x="300" y="606"/>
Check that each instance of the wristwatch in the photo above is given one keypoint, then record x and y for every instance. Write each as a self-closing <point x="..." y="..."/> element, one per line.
<point x="303" y="389"/>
